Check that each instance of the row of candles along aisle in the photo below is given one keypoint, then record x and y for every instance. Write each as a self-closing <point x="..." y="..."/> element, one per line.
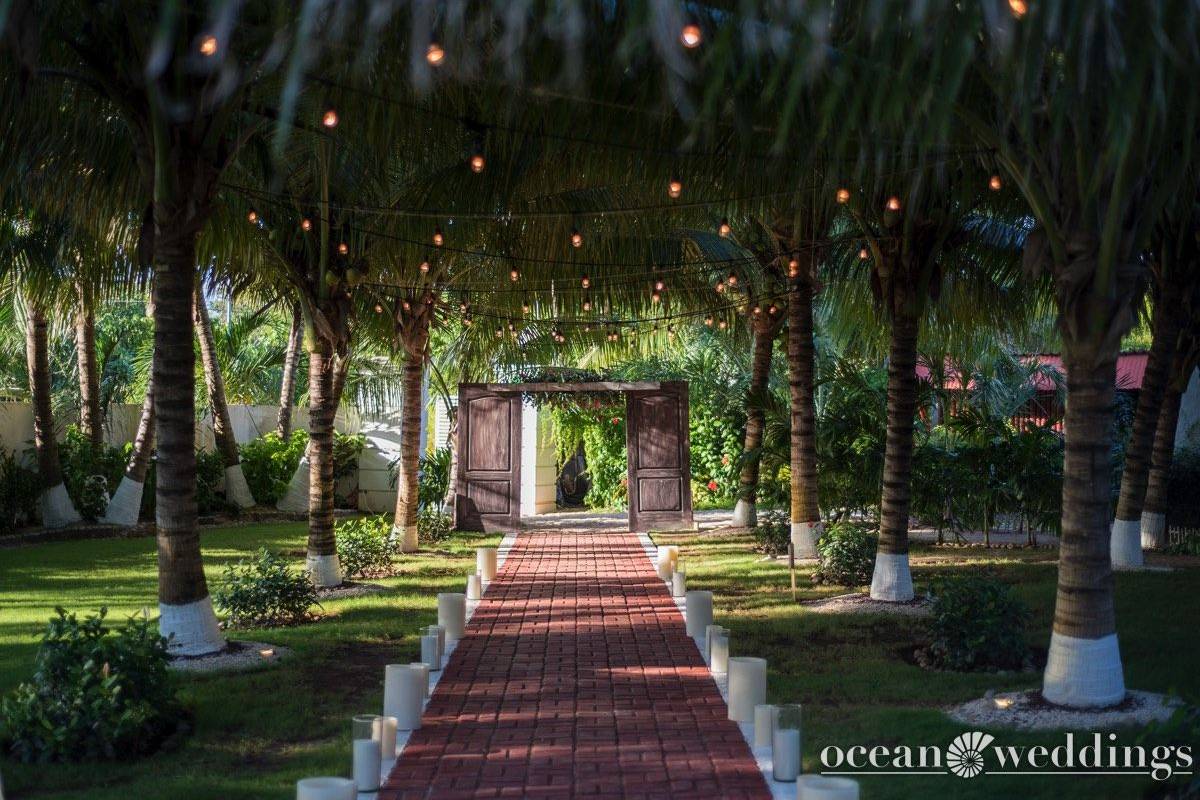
<point x="406" y="689"/>
<point x="776" y="727"/>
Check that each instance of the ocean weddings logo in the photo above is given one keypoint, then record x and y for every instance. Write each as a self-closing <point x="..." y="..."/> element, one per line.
<point x="974" y="754"/>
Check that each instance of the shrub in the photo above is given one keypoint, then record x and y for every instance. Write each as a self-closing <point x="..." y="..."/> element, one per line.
<point x="210" y="471"/>
<point x="434" y="478"/>
<point x="96" y="693"/>
<point x="364" y="545"/>
<point x="773" y="533"/>
<point x="433" y="526"/>
<point x="90" y="472"/>
<point x="977" y="624"/>
<point x="269" y="463"/>
<point x="19" y="490"/>
<point x="1183" y="502"/>
<point x="846" y="555"/>
<point x="265" y="591"/>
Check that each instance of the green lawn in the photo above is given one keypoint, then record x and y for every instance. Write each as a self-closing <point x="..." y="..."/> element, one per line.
<point x="854" y="676"/>
<point x="255" y="733"/>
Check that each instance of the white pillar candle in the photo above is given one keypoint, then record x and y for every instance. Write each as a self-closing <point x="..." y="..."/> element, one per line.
<point x="719" y="655"/>
<point x="698" y="611"/>
<point x="785" y="754"/>
<point x="708" y="637"/>
<point x="474" y="586"/>
<point x="423" y="670"/>
<point x="678" y="584"/>
<point x="385" y="734"/>
<point x="429" y="651"/>
<point x="820" y="787"/>
<point x="402" y="695"/>
<point x="485" y="563"/>
<point x="747" y="687"/>
<point x="441" y="634"/>
<point x="326" y="789"/>
<point x="764" y="724"/>
<point x="367" y="757"/>
<point x="452" y="614"/>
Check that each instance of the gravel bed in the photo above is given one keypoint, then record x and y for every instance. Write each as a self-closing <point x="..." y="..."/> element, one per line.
<point x="237" y="655"/>
<point x="861" y="603"/>
<point x="1028" y="711"/>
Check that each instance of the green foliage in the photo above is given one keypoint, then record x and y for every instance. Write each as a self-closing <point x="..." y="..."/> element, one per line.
<point x="19" y="489"/>
<point x="91" y="472"/>
<point x="852" y="425"/>
<point x="715" y="445"/>
<point x="846" y="555"/>
<point x="1183" y="501"/>
<point x="346" y="449"/>
<point x="210" y="471"/>
<point x="265" y="591"/>
<point x="95" y="693"/>
<point x="365" y="546"/>
<point x="433" y="526"/>
<point x="599" y="427"/>
<point x="434" y="477"/>
<point x="977" y="624"/>
<point x="269" y="463"/>
<point x="773" y="533"/>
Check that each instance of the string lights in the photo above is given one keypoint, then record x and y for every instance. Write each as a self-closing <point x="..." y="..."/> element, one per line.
<point x="343" y="248"/>
<point x="208" y="46"/>
<point x="893" y="203"/>
<point x="330" y="118"/>
<point x="723" y="230"/>
<point x="576" y="238"/>
<point x="434" y="54"/>
<point x="843" y="196"/>
<point x="995" y="184"/>
<point x="306" y="224"/>
<point x="674" y="187"/>
<point x="438" y="238"/>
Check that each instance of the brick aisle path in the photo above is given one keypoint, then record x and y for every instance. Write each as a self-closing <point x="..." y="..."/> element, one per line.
<point x="576" y="679"/>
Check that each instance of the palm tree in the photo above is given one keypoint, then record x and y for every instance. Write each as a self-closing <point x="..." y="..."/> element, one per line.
<point x="90" y="414"/>
<point x="766" y="327"/>
<point x="237" y="491"/>
<point x="287" y="386"/>
<point x="413" y="316"/>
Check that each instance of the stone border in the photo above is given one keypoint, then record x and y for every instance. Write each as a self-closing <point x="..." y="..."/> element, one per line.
<point x="239" y="655"/>
<point x="1027" y="711"/>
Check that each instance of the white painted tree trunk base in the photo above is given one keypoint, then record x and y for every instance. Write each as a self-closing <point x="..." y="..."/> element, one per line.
<point x="126" y="504"/>
<point x="237" y="491"/>
<point x="191" y="628"/>
<point x="324" y="571"/>
<point x="891" y="581"/>
<point x="407" y="537"/>
<point x="804" y="538"/>
<point x="745" y="515"/>
<point x="57" y="508"/>
<point x="1083" y="673"/>
<point x="296" y="498"/>
<point x="1154" y="530"/>
<point x="1125" y="545"/>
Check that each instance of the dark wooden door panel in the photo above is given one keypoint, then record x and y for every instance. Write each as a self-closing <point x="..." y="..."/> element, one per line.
<point x="488" y="484"/>
<point x="660" y="480"/>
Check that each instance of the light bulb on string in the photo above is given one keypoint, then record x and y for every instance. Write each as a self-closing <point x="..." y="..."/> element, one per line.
<point x="499" y="331"/>
<point x="720" y="287"/>
<point x="585" y="281"/>
<point x="306" y="224"/>
<point x="893" y="203"/>
<point x="438" y="238"/>
<point x="525" y="305"/>
<point x="468" y="321"/>
<point x="864" y="254"/>
<point x="434" y="54"/>
<point x="708" y="321"/>
<point x="732" y="279"/>
<point x="722" y="324"/>
<point x="723" y="230"/>
<point x="343" y="248"/>
<point x="514" y="274"/>
<point x="659" y="285"/>
<point x="757" y="310"/>
<point x="587" y="303"/>
<point x="655" y="296"/>
<point x="793" y="267"/>
<point x="674" y="187"/>
<point x="477" y="162"/>
<point x="208" y="46"/>
<point x="772" y="309"/>
<point x="252" y="216"/>
<point x="378" y="308"/>
<point x="424" y="266"/>
<point x="690" y="36"/>
<point x="462" y="307"/>
<point x="995" y="184"/>
<point x="843" y="196"/>
<point x="576" y="238"/>
<point x="1019" y="8"/>
<point x="330" y="118"/>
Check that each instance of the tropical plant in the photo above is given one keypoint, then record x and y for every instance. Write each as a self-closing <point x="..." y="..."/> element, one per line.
<point x="18" y="492"/>
<point x="435" y="477"/>
<point x="846" y="555"/>
<point x="976" y="624"/>
<point x="264" y="590"/>
<point x="365" y="546"/>
<point x="433" y="526"/>
<point x="269" y="461"/>
<point x="90" y="471"/>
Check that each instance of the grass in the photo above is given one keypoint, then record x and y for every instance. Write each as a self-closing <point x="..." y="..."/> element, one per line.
<point x="858" y="685"/>
<point x="254" y="733"/>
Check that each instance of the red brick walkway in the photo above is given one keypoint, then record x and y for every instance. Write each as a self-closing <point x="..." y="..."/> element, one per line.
<point x="576" y="679"/>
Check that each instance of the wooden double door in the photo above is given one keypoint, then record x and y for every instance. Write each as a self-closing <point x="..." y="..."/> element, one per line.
<point x="488" y="484"/>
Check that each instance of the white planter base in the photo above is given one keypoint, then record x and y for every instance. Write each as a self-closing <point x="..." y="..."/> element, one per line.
<point x="1125" y="545"/>
<point x="1084" y="673"/>
<point x="191" y="627"/>
<point x="57" y="508"/>
<point x="295" y="500"/>
<point x="891" y="581"/>
<point x="126" y="504"/>
<point x="1154" y="530"/>
<point x="804" y="538"/>
<point x="407" y="537"/>
<point x="324" y="571"/>
<point x="237" y="491"/>
<point x="745" y="515"/>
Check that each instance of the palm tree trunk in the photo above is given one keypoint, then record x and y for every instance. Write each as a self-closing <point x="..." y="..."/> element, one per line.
<point x="322" y="561"/>
<point x="125" y="506"/>
<point x="1084" y="664"/>
<point x="56" y="506"/>
<point x="806" y="526"/>
<point x="296" y="498"/>
<point x="1154" y="509"/>
<point x="185" y="609"/>
<point x="892" y="579"/>
<point x="452" y="483"/>
<point x="1126" y="544"/>
<point x="287" y="387"/>
<point x="404" y="528"/>
<point x="237" y="491"/>
<point x="745" y="512"/>
<point x="90" y="422"/>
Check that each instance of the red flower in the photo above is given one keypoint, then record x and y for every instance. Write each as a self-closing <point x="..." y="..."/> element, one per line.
<point x="712" y="486"/>
<point x="616" y="420"/>
<point x="725" y="460"/>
